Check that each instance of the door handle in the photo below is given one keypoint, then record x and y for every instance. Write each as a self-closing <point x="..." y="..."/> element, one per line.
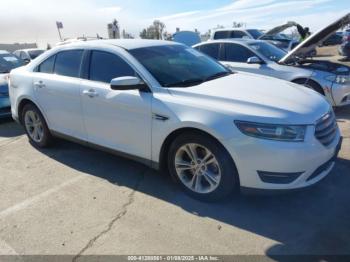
<point x="90" y="93"/>
<point x="39" y="84"/>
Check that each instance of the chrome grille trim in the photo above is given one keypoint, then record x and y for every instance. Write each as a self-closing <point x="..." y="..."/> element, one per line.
<point x="326" y="129"/>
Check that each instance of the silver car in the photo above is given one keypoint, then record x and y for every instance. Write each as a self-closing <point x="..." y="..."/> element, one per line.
<point x="328" y="78"/>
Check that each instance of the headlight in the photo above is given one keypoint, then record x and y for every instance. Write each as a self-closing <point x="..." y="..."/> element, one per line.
<point x="289" y="133"/>
<point x="339" y="79"/>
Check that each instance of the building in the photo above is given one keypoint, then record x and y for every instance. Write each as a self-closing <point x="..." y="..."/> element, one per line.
<point x="15" y="46"/>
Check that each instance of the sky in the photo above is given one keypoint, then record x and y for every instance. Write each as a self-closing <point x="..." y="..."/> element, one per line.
<point x="34" y="20"/>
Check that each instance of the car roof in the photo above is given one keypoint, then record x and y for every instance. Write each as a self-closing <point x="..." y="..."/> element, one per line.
<point x="30" y="49"/>
<point x="127" y="44"/>
<point x="243" y="41"/>
<point x="3" y="52"/>
<point x="234" y="29"/>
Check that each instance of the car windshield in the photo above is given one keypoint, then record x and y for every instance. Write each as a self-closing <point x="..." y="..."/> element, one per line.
<point x="9" y="62"/>
<point x="35" y="53"/>
<point x="178" y="65"/>
<point x="269" y="51"/>
<point x="255" y="33"/>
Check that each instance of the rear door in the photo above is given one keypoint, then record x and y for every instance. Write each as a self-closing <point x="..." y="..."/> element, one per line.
<point x="57" y="90"/>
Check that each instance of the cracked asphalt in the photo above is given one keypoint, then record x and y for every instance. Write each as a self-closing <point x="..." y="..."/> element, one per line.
<point x="72" y="200"/>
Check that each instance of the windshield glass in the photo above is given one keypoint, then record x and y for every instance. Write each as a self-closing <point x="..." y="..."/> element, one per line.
<point x="178" y="66"/>
<point x="9" y="62"/>
<point x="255" y="33"/>
<point x="35" y="53"/>
<point x="269" y="51"/>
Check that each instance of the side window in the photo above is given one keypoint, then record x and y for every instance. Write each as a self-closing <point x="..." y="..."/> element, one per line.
<point x="210" y="50"/>
<point x="68" y="63"/>
<point x="47" y="65"/>
<point x="222" y="35"/>
<point x="22" y="55"/>
<point x="105" y="66"/>
<point x="237" y="53"/>
<point x="238" y="34"/>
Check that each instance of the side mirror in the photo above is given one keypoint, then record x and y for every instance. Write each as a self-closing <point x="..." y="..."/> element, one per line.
<point x="254" y="60"/>
<point x="26" y="61"/>
<point x="128" y="83"/>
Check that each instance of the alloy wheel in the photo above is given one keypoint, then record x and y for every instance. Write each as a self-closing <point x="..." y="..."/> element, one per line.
<point x="197" y="168"/>
<point x="34" y="126"/>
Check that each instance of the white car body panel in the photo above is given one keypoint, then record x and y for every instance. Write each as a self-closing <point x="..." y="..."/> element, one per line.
<point x="126" y="121"/>
<point x="333" y="92"/>
<point x="60" y="99"/>
<point x="128" y="114"/>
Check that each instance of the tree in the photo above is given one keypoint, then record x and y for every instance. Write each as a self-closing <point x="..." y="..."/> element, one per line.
<point x="219" y="27"/>
<point x="238" y="24"/>
<point x="154" y="31"/>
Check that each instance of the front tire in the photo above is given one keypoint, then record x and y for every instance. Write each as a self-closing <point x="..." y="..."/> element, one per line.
<point x="202" y="166"/>
<point x="35" y="126"/>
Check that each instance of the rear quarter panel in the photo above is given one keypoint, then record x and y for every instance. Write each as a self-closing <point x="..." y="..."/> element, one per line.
<point x="20" y="87"/>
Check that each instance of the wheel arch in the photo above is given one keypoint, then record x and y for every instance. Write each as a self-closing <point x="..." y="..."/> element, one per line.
<point x="24" y="101"/>
<point x="303" y="80"/>
<point x="163" y="153"/>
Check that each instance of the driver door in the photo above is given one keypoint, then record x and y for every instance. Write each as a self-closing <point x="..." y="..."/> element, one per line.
<point x="119" y="120"/>
<point x="236" y="56"/>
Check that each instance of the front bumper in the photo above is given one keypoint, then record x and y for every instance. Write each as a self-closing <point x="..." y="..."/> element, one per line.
<point x="5" y="106"/>
<point x="341" y="94"/>
<point x="310" y="160"/>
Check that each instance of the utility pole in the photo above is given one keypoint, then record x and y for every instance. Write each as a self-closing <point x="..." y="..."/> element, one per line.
<point x="59" y="26"/>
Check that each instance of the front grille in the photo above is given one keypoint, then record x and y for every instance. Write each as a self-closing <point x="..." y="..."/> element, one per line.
<point x="326" y="129"/>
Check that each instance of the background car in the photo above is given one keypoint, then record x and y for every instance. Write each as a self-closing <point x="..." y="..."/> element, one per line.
<point x="334" y="39"/>
<point x="230" y="33"/>
<point x="330" y="79"/>
<point x="8" y="62"/>
<point x="28" y="55"/>
<point x="273" y="36"/>
<point x="169" y="106"/>
<point x="188" y="38"/>
<point x="344" y="48"/>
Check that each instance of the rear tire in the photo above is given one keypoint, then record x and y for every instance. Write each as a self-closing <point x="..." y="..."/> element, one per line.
<point x="35" y="126"/>
<point x="202" y="166"/>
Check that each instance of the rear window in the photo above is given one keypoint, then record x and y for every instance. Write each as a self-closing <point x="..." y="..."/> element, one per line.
<point x="68" y="63"/>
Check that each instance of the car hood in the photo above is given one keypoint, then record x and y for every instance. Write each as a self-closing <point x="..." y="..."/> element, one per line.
<point x="276" y="30"/>
<point x="315" y="39"/>
<point x="252" y="97"/>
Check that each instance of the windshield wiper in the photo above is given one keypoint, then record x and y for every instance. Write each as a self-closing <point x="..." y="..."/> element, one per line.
<point x="218" y="75"/>
<point x="186" y="83"/>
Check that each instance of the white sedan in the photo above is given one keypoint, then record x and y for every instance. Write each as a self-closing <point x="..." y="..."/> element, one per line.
<point x="169" y="106"/>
